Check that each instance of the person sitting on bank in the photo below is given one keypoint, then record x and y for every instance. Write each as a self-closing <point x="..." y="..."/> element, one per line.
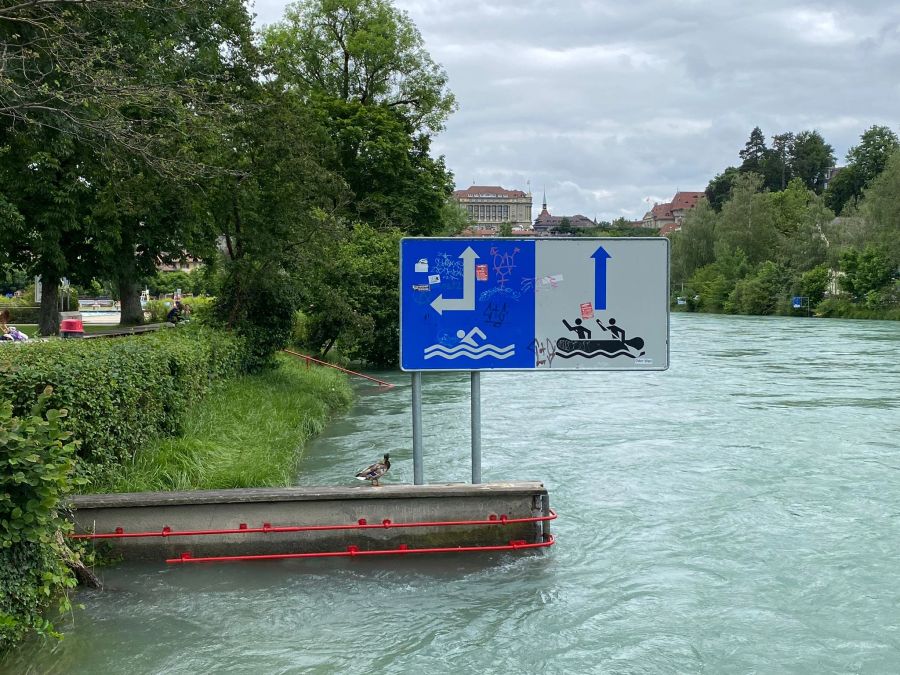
<point x="10" y="333"/>
<point x="174" y="315"/>
<point x="4" y="326"/>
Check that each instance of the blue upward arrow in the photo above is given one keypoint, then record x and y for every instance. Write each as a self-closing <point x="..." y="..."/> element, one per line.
<point x="600" y="257"/>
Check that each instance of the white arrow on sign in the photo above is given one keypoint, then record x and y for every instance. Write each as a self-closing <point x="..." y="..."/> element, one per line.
<point x="467" y="301"/>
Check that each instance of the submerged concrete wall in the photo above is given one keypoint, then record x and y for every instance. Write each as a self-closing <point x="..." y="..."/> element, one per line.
<point x="303" y="506"/>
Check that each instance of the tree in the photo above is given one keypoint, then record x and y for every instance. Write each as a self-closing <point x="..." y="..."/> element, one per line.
<point x="754" y="153"/>
<point x="813" y="284"/>
<point x="389" y="170"/>
<point x="454" y="219"/>
<point x="135" y="87"/>
<point x="865" y="271"/>
<point x="355" y="301"/>
<point x="778" y="168"/>
<point x="758" y="293"/>
<point x="881" y="207"/>
<point x="42" y="173"/>
<point x="565" y="226"/>
<point x="800" y="220"/>
<point x="505" y="230"/>
<point x="810" y="158"/>
<point x="747" y="221"/>
<point x="693" y="246"/>
<point x="362" y="65"/>
<point x="870" y="156"/>
<point x="865" y="162"/>
<point x="145" y="216"/>
<point x="279" y="213"/>
<point x="363" y="51"/>
<point x="719" y="189"/>
<point x="845" y="189"/>
<point x="82" y="67"/>
<point x="712" y="284"/>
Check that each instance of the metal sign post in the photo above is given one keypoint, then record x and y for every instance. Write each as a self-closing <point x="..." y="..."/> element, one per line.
<point x="476" y="427"/>
<point x="530" y="304"/>
<point x="418" y="471"/>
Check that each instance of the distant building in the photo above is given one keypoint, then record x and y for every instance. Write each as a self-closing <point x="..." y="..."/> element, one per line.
<point x="830" y="173"/>
<point x="545" y="222"/>
<point x="668" y="217"/>
<point x="491" y="205"/>
<point x="186" y="264"/>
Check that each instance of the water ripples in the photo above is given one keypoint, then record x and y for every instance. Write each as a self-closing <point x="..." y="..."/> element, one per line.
<point x="738" y="513"/>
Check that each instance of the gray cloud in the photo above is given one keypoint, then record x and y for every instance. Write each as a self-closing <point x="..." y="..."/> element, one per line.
<point x="609" y="104"/>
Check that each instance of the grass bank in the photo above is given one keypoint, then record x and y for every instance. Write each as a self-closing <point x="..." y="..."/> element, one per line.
<point x="248" y="432"/>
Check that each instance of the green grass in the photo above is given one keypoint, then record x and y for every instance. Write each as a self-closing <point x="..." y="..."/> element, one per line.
<point x="248" y="432"/>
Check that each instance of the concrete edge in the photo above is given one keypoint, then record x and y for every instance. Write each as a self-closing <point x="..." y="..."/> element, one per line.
<point x="312" y="493"/>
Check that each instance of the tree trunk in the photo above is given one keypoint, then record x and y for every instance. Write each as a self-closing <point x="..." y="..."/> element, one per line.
<point x="48" y="319"/>
<point x="131" y="313"/>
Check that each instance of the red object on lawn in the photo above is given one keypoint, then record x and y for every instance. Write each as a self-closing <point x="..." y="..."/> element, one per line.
<point x="71" y="328"/>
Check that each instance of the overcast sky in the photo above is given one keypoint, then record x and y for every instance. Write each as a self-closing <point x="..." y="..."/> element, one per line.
<point x="612" y="105"/>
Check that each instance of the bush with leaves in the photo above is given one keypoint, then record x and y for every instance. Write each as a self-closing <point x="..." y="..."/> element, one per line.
<point x="758" y="293"/>
<point x="124" y="391"/>
<point x="260" y="306"/>
<point x="37" y="462"/>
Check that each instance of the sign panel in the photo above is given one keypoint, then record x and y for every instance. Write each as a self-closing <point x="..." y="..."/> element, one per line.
<point x="526" y="304"/>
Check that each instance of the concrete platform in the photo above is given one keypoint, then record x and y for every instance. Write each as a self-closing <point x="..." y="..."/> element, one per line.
<point x="311" y="506"/>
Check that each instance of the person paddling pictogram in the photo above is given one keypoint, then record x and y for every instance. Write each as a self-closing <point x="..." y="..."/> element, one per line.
<point x="582" y="332"/>
<point x="617" y="332"/>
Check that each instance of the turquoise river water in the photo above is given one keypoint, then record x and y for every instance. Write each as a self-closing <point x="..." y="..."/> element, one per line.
<point x="739" y="513"/>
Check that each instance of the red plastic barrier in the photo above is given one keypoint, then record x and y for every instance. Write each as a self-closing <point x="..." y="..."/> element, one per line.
<point x="353" y="551"/>
<point x="359" y="525"/>
<point x="381" y="383"/>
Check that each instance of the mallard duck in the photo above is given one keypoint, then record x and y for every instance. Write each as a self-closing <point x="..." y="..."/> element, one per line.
<point x="376" y="471"/>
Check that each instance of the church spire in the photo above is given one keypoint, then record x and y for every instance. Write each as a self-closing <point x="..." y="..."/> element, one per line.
<point x="545" y="199"/>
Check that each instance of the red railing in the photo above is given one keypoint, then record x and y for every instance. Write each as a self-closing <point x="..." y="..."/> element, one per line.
<point x="308" y="359"/>
<point x="353" y="551"/>
<point x="361" y="524"/>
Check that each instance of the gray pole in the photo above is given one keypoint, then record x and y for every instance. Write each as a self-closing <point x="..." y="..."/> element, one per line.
<point x="418" y="473"/>
<point x="476" y="427"/>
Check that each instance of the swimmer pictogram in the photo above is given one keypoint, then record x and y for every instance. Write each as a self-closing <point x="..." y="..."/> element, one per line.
<point x="468" y="347"/>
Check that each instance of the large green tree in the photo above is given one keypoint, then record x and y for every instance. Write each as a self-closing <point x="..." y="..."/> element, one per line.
<point x="718" y="191"/>
<point x="42" y="174"/>
<point x="365" y="51"/>
<point x="755" y="152"/>
<point x="882" y="209"/>
<point x="363" y="66"/>
<point x="694" y="245"/>
<point x="810" y="158"/>
<point x="865" y="161"/>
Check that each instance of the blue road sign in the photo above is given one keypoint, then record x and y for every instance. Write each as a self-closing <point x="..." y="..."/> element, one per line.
<point x="526" y="304"/>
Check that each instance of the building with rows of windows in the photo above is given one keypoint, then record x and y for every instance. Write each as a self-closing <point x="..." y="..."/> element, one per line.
<point x="491" y="205"/>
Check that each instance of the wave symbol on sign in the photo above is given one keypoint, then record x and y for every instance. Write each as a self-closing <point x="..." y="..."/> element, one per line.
<point x="468" y="346"/>
<point x="440" y="351"/>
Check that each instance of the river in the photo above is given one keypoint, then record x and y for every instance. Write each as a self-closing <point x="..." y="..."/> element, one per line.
<point x="737" y="513"/>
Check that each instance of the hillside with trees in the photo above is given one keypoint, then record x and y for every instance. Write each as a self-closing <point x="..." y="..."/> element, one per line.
<point x="771" y="230"/>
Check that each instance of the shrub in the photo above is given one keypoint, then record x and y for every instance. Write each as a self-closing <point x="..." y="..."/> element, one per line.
<point x="121" y="392"/>
<point x="260" y="307"/>
<point x="21" y="314"/>
<point x="36" y="467"/>
<point x="155" y="311"/>
<point x="201" y="308"/>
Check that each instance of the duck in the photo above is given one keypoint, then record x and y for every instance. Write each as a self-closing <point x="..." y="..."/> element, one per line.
<point x="376" y="470"/>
